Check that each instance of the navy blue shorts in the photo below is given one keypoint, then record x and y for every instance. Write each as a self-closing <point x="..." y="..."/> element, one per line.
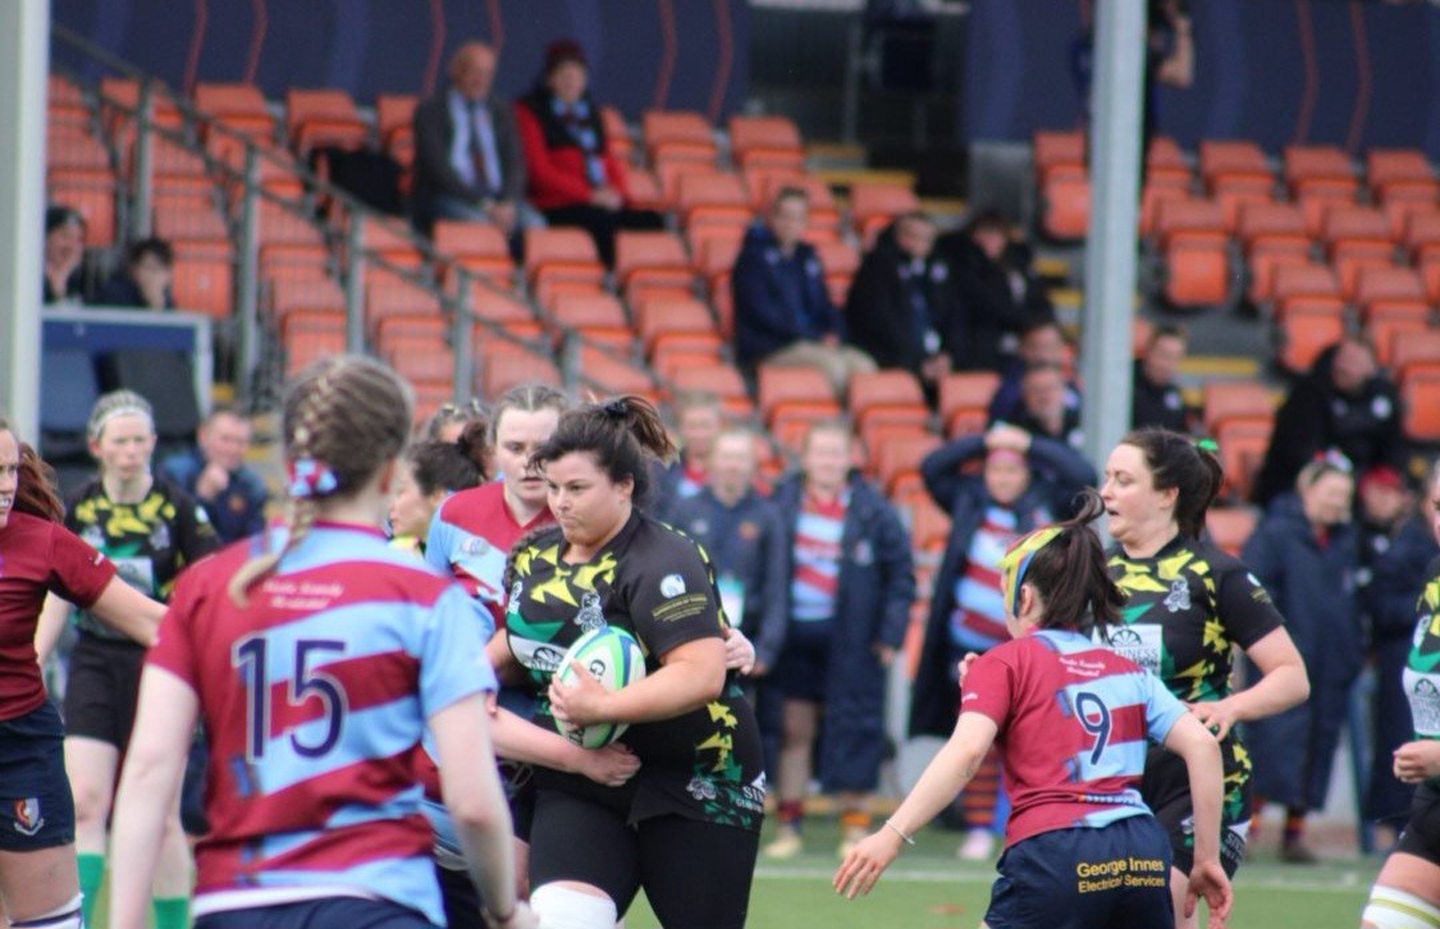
<point x="804" y="663"/>
<point x="330" y="913"/>
<point x="1086" y="879"/>
<point x="36" y="808"/>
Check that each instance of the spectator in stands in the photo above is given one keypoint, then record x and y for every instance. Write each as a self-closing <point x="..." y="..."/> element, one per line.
<point x="64" y="252"/>
<point x="1306" y="554"/>
<point x="901" y="310"/>
<point x="699" y="419"/>
<point x="1046" y="405"/>
<point x="1397" y="546"/>
<point x="783" y="313"/>
<point x="215" y="473"/>
<point x="1156" y="399"/>
<point x="851" y="585"/>
<point x="1346" y="402"/>
<point x="144" y="282"/>
<point x="741" y="531"/>
<point x="468" y="162"/>
<point x="989" y="511"/>
<point x="998" y="298"/>
<point x="575" y="178"/>
<point x="1042" y="343"/>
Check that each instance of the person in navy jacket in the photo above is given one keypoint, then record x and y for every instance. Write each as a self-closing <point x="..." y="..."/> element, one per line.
<point x="783" y="313"/>
<point x="741" y="531"/>
<point x="851" y="584"/>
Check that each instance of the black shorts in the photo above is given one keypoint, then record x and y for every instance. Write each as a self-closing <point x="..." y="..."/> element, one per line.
<point x="803" y="667"/>
<point x="339" y="912"/>
<point x="1118" y="875"/>
<point x="103" y="685"/>
<point x="36" y="808"/>
<point x="1422" y="832"/>
<point x="696" y="875"/>
<point x="1165" y="788"/>
<point x="461" y="899"/>
<point x="518" y="780"/>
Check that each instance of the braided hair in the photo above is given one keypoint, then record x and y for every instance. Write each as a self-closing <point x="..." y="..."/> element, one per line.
<point x="345" y="417"/>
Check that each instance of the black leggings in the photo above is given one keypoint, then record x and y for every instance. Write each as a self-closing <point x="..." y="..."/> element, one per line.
<point x="696" y="875"/>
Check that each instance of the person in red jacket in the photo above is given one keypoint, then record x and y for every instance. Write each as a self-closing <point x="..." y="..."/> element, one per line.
<point x="574" y="177"/>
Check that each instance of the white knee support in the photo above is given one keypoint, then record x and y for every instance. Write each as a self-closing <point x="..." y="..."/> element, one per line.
<point x="1395" y="909"/>
<point x="562" y="908"/>
<point x="65" y="916"/>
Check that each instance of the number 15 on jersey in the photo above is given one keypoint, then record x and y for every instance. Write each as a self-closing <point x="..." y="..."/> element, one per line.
<point x="250" y="656"/>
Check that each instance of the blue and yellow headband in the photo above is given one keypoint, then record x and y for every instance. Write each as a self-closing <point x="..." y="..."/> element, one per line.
<point x="1017" y="561"/>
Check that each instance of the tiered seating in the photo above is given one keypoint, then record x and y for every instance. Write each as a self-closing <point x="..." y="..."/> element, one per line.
<point x="479" y="248"/>
<point x="1241" y="416"/>
<point x="323" y="117"/>
<point x="562" y="260"/>
<point x="766" y="141"/>
<point x="652" y="263"/>
<point x="793" y="399"/>
<point x="965" y="401"/>
<point x="1193" y="240"/>
<point x="1063" y="183"/>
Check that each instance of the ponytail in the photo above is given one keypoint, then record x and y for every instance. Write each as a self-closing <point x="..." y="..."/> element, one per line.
<point x="1068" y="571"/>
<point x="620" y="433"/>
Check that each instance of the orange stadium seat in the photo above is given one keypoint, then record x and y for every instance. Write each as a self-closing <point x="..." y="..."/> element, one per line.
<point x="875" y="205"/>
<point x="1422" y="236"/>
<point x="1392" y="291"/>
<point x="1165" y="164"/>
<point x="1225" y="401"/>
<point x="239" y="106"/>
<point x="803" y="393"/>
<point x="207" y="285"/>
<point x="323" y="117"/>
<point x="606" y="375"/>
<point x="498" y="308"/>
<point x="643" y="191"/>
<point x="478" y="247"/>
<point x="675" y="352"/>
<point x="1225" y="159"/>
<point x="766" y="140"/>
<point x="929" y="526"/>
<point x="1230" y="527"/>
<point x="394" y="113"/>
<point x="310" y="335"/>
<point x="1307" y="165"/>
<point x="669" y="173"/>
<point x="1384" y="330"/>
<point x="718" y="379"/>
<point x="1058" y="150"/>
<point x="659" y="318"/>
<point x="1357" y="237"/>
<point x="1420" y="348"/>
<point x="503" y="365"/>
<point x="965" y="400"/>
<point x="617" y="133"/>
<point x="897" y="461"/>
<point x="1235" y="193"/>
<point x="562" y="253"/>
<point x="1065" y="206"/>
<point x="1400" y="171"/>
<point x="1308" y="286"/>
<point x="92" y="195"/>
<point x="1304" y="332"/>
<point x="596" y="317"/>
<point x="1193" y="239"/>
<point x="1242" y="451"/>
<point x="1271" y="235"/>
<point x="315" y="295"/>
<point x="397" y="297"/>
<point x="1420" y="396"/>
<point x="65" y="101"/>
<point x="651" y="260"/>
<point x="677" y="134"/>
<point x="892" y="398"/>
<point x="712" y="198"/>
<point x="840" y="261"/>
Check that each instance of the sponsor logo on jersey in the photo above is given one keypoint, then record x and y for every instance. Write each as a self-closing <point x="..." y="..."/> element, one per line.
<point x="672" y="585"/>
<point x="28" y="820"/>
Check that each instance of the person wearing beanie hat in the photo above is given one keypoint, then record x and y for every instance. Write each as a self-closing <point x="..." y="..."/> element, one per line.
<point x="64" y="251"/>
<point x="574" y="177"/>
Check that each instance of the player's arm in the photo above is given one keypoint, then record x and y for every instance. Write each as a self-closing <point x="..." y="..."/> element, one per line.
<point x="521" y="740"/>
<point x="470" y="786"/>
<point x="943" y="779"/>
<point x="129" y="611"/>
<point x="1189" y="739"/>
<point x="53" y="616"/>
<point x="149" y="787"/>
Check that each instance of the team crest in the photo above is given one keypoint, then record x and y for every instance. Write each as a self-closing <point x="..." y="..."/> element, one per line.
<point x="591" y="616"/>
<point x="702" y="788"/>
<point x="672" y="585"/>
<point x="1179" y="597"/>
<point x="28" y="820"/>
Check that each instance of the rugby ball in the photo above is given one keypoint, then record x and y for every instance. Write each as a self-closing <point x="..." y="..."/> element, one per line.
<point x="613" y="657"/>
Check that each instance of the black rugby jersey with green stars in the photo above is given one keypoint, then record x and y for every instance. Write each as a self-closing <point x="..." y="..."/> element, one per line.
<point x="151" y="542"/>
<point x="658" y="585"/>
<point x="1186" y="609"/>
<point x="1422" y="666"/>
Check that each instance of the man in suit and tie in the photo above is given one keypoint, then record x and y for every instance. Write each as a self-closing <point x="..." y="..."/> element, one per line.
<point x="468" y="162"/>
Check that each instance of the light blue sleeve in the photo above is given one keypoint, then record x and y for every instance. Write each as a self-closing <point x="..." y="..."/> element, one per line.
<point x="439" y="540"/>
<point x="1162" y="708"/>
<point x="453" y="665"/>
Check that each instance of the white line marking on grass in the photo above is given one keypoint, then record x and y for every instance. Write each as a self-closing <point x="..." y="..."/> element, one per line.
<point x="1344" y="883"/>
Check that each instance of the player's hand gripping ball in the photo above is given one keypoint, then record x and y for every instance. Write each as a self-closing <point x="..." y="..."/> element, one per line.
<point x="614" y="660"/>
